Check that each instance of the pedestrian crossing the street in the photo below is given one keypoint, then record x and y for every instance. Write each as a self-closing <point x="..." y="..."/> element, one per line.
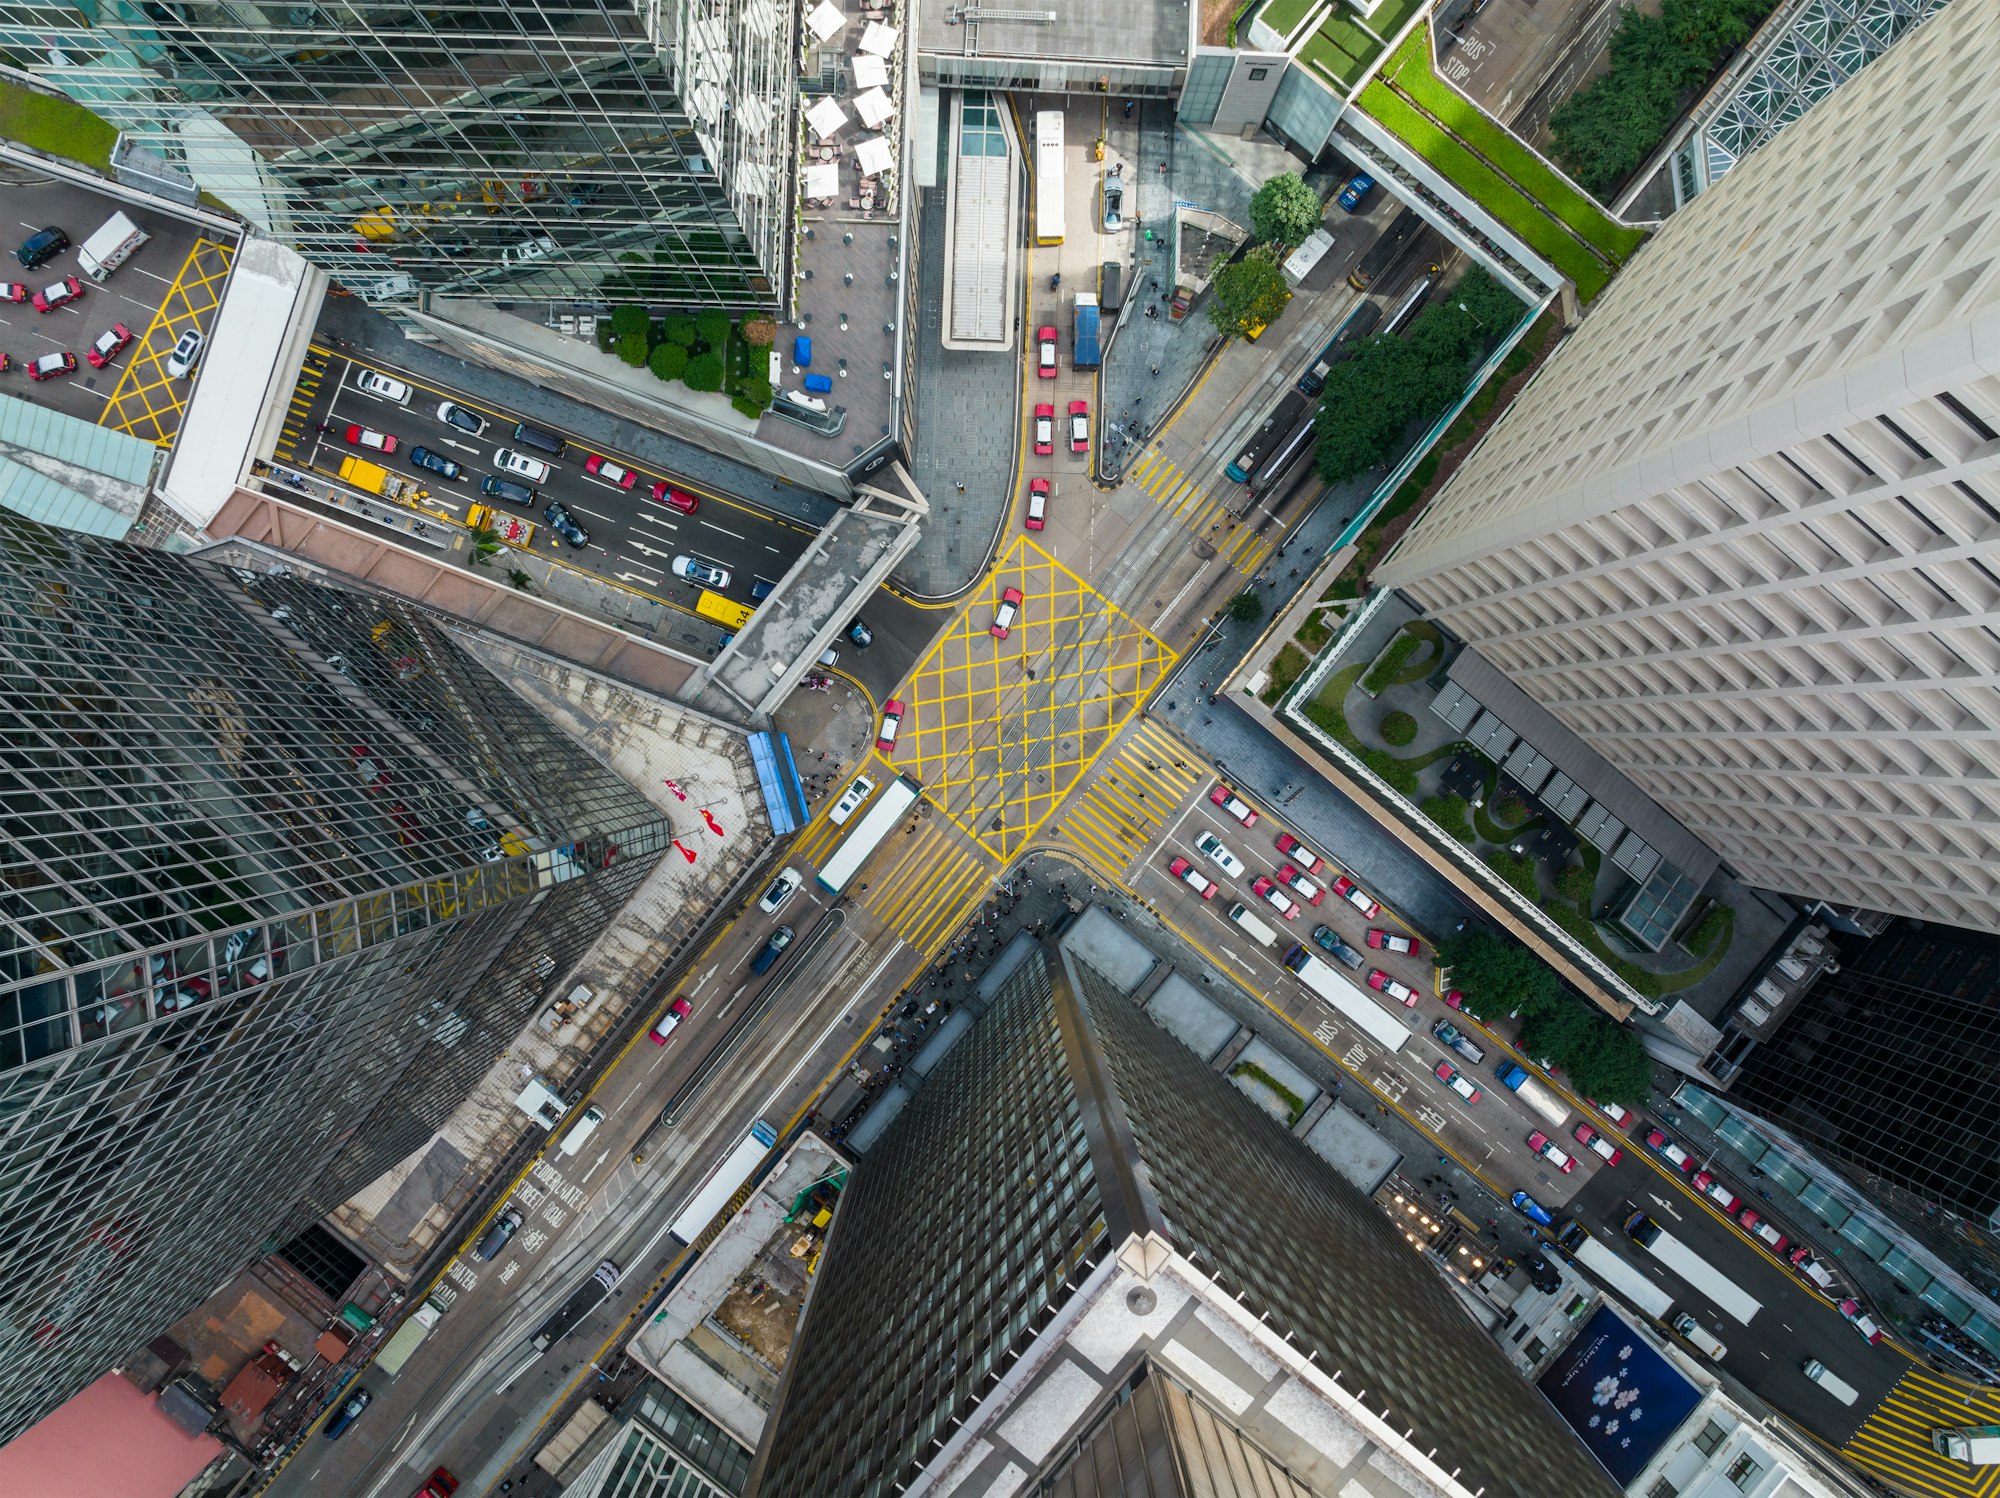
<point x="1201" y="506"/>
<point x="1131" y="796"/>
<point x="1895" y="1440"/>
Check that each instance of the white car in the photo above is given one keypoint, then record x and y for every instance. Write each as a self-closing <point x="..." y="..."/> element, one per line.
<point x="850" y="798"/>
<point x="534" y="470"/>
<point x="782" y="889"/>
<point x="1211" y="847"/>
<point x="701" y="574"/>
<point x="370" y="383"/>
<point x="186" y="354"/>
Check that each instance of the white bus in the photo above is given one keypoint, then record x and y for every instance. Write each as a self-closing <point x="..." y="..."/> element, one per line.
<point x="723" y="1182"/>
<point x="879" y="821"/>
<point x="1377" y="1023"/>
<point x="1049" y="177"/>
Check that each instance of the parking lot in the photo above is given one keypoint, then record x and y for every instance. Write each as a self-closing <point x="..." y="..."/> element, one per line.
<point x="171" y="283"/>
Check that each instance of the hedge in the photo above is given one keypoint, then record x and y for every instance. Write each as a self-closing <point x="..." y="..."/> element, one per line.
<point x="1399" y="730"/>
<point x="1383" y="672"/>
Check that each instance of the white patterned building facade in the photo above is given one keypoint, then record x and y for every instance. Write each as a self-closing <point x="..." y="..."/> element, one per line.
<point x="1742" y="533"/>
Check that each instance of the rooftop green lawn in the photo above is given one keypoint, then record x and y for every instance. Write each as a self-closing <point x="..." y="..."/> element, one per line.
<point x="1411" y="71"/>
<point x="61" y="127"/>
<point x="1284" y="16"/>
<point x="1330" y="60"/>
<point x="1392" y="16"/>
<point x="1489" y="189"/>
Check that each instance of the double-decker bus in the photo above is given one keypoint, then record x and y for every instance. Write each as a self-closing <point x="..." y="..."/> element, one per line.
<point x="1049" y="177"/>
<point x="724" y="611"/>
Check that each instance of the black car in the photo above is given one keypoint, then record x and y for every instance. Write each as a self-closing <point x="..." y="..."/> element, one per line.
<point x="507" y="489"/>
<point x="451" y="413"/>
<point x="1340" y="950"/>
<point x="773" y="949"/>
<point x="860" y="634"/>
<point x="345" y="1416"/>
<point x="560" y="522"/>
<point x="41" y="247"/>
<point x="423" y="457"/>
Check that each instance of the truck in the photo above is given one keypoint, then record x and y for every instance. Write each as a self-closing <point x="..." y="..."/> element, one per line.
<point x="1973" y="1445"/>
<point x="373" y="477"/>
<point x="509" y="528"/>
<point x="586" y="1298"/>
<point x="1085" y="355"/>
<point x="1728" y="1297"/>
<point x="1531" y="1092"/>
<point x="1617" y="1275"/>
<point x="417" y="1326"/>
<point x="1834" y="1384"/>
<point x="110" y="247"/>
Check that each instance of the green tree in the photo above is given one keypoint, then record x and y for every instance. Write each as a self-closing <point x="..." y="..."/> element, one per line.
<point x="1249" y="292"/>
<point x="712" y="328"/>
<point x="520" y="579"/>
<point x="629" y="321"/>
<point x="1574" y="884"/>
<point x="1398" y="729"/>
<point x="1284" y="210"/>
<point x="1613" y="1067"/>
<point x="678" y="328"/>
<point x="704" y="373"/>
<point x="668" y="360"/>
<point x="1247" y="607"/>
<point x="1560" y="1032"/>
<point x="485" y="546"/>
<point x="1497" y="976"/>
<point x="632" y="349"/>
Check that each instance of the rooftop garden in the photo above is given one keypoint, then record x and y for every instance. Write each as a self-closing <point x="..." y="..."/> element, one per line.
<point x="61" y="127"/>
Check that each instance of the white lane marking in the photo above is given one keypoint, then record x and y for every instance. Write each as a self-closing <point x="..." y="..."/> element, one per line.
<point x="711" y="525"/>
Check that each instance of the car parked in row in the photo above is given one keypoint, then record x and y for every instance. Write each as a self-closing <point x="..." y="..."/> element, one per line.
<point x="1266" y="889"/>
<point x="564" y="524"/>
<point x="599" y="466"/>
<point x="1393" y="941"/>
<point x="1659" y="1143"/>
<point x="1807" y="1264"/>
<point x="1858" y="1318"/>
<point x="1185" y="871"/>
<point x="1301" y="886"/>
<point x="666" y="494"/>
<point x="65" y="291"/>
<point x="1598" y="1145"/>
<point x="1079" y="426"/>
<point x="1299" y="853"/>
<point x="1038" y="504"/>
<point x="48" y="366"/>
<point x="422" y="457"/>
<point x="1718" y="1193"/>
<point x="1531" y="1209"/>
<point x="1045" y="353"/>
<point x="1235" y="805"/>
<point x="1457" y="1081"/>
<point x="1045" y="429"/>
<point x="1402" y="993"/>
<point x="13" y="291"/>
<point x="1544" y="1146"/>
<point x="1764" y="1232"/>
<point x="1348" y="890"/>
<point x="1211" y="847"/>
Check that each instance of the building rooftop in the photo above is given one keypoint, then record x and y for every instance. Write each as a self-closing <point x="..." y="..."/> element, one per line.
<point x="63" y="470"/>
<point x="1155" y="33"/>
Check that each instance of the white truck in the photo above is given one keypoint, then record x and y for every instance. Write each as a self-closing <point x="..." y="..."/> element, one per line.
<point x="1729" y="1297"/>
<point x="396" y="1351"/>
<point x="110" y="247"/>
<point x="1832" y="1382"/>
<point x="1622" y="1278"/>
<point x="1545" y="1103"/>
<point x="1972" y="1445"/>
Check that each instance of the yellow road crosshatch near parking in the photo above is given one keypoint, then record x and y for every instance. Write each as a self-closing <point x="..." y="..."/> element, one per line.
<point x="146" y="402"/>
<point x="1000" y="731"/>
<point x="1895" y="1440"/>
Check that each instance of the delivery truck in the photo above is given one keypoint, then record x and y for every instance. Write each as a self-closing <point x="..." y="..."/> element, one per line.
<point x="417" y="1326"/>
<point x="1617" y="1275"/>
<point x="1531" y="1092"/>
<point x="110" y="247"/>
<point x="374" y="478"/>
<point x="1084" y="351"/>
<point x="1970" y="1445"/>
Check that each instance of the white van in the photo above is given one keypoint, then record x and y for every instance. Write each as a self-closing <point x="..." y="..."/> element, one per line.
<point x="579" y="1136"/>
<point x="1699" y="1335"/>
<point x="1830" y="1381"/>
<point x="1243" y="917"/>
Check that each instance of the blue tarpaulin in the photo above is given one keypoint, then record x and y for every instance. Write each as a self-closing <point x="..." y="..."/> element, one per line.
<point x="802" y="351"/>
<point x="778" y="779"/>
<point x="819" y="384"/>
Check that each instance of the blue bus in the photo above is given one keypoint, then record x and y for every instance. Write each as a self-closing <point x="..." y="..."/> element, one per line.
<point x="1274" y="431"/>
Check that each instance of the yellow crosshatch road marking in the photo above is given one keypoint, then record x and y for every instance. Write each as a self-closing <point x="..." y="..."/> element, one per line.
<point x="145" y="402"/>
<point x="1000" y="731"/>
<point x="1131" y="795"/>
<point x="1895" y="1440"/>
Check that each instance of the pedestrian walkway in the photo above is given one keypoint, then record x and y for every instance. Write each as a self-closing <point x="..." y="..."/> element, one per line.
<point x="937" y="875"/>
<point x="1126" y="804"/>
<point x="1198" y="504"/>
<point x="1895" y="1440"/>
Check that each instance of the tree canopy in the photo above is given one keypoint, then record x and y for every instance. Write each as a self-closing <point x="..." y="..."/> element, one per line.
<point x="1248" y="292"/>
<point x="1284" y="210"/>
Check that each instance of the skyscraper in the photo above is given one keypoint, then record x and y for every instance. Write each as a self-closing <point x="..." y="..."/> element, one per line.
<point x="1073" y="1208"/>
<point x="1742" y="533"/>
<point x="598" y="152"/>
<point x="282" y="869"/>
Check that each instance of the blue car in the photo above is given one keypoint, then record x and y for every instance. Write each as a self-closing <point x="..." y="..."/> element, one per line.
<point x="1531" y="1209"/>
<point x="423" y="457"/>
<point x="345" y="1416"/>
<point x="1356" y="192"/>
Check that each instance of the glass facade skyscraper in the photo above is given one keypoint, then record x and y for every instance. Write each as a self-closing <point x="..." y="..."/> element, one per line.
<point x="594" y="152"/>
<point x="1067" y="1127"/>
<point x="282" y="870"/>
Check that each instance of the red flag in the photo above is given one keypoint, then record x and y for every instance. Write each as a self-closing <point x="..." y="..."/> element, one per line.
<point x="675" y="786"/>
<point x="687" y="853"/>
<point x="713" y="825"/>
